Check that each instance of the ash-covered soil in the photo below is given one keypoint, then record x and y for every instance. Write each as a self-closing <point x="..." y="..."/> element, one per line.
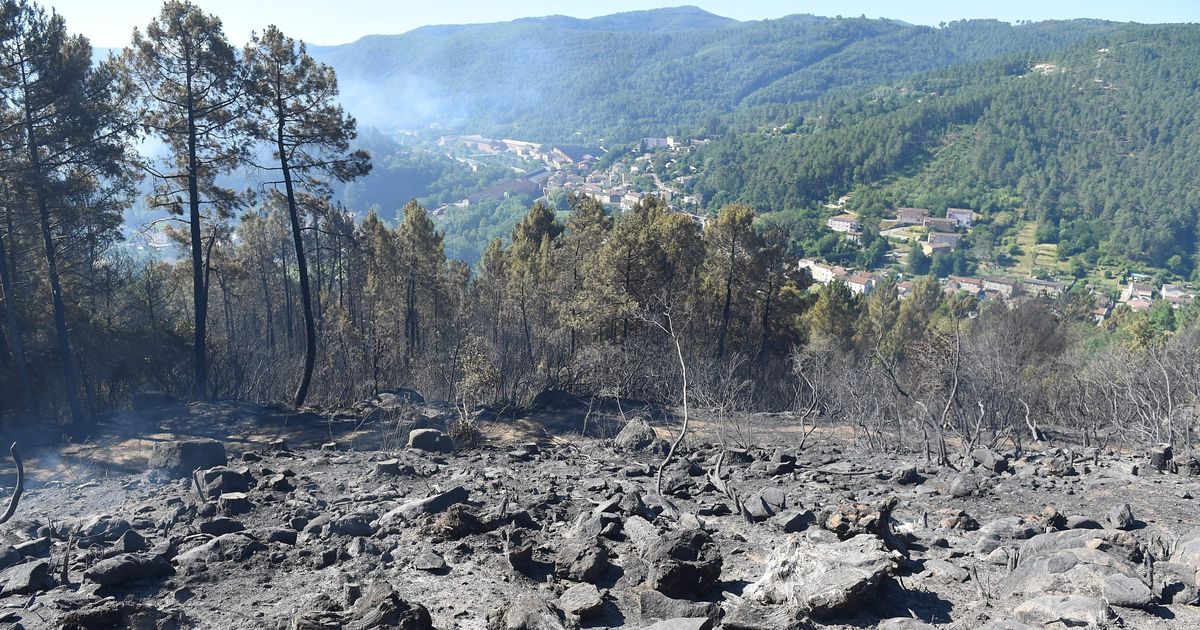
<point x="543" y="528"/>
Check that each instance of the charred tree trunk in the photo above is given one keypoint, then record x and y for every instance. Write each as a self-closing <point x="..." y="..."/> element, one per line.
<point x="310" y="326"/>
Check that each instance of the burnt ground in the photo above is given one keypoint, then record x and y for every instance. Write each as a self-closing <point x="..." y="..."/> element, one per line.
<point x="331" y="515"/>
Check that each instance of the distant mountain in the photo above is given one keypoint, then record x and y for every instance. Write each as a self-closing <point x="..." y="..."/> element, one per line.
<point x="667" y="71"/>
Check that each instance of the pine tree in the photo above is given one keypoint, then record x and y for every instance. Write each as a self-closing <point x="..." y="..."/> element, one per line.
<point x="191" y="89"/>
<point x="731" y="246"/>
<point x="310" y="135"/>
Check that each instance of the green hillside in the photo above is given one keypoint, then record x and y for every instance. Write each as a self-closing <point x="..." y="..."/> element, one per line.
<point x="681" y="71"/>
<point x="1098" y="145"/>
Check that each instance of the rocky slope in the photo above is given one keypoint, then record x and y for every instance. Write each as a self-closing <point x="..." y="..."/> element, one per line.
<point x="572" y="533"/>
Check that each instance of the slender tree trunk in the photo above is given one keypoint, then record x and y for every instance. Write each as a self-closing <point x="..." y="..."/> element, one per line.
<point x="199" y="288"/>
<point x="310" y="327"/>
<point x="725" y="311"/>
<point x="70" y="378"/>
<point x="14" y="328"/>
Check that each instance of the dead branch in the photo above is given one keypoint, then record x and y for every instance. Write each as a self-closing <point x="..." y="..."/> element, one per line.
<point x="16" y="495"/>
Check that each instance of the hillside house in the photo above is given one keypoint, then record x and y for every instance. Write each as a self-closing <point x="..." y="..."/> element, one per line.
<point x="904" y="288"/>
<point x="844" y="223"/>
<point x="1004" y="287"/>
<point x="1137" y="291"/>
<point x="859" y="282"/>
<point x="911" y="216"/>
<point x="820" y="272"/>
<point x="1044" y="288"/>
<point x="962" y="216"/>
<point x="973" y="286"/>
<point x="941" y="225"/>
<point x="943" y="238"/>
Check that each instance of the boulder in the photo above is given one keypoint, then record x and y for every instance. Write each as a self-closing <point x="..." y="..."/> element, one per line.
<point x="820" y="580"/>
<point x="684" y="564"/>
<point x="220" y="525"/>
<point x="433" y="504"/>
<point x="27" y="579"/>
<point x="1113" y="542"/>
<point x="430" y="440"/>
<point x="529" y="612"/>
<point x="213" y="482"/>
<point x="581" y="561"/>
<point x="654" y="606"/>
<point x="765" y="504"/>
<point x="1127" y="592"/>
<point x="581" y="600"/>
<point x="111" y="613"/>
<point x="638" y="436"/>
<point x="1159" y="456"/>
<point x="128" y="567"/>
<point x="904" y="623"/>
<point x="1175" y="583"/>
<point x="990" y="460"/>
<point x="236" y="546"/>
<point x="233" y="503"/>
<point x="180" y="458"/>
<point x="1078" y="571"/>
<point x="381" y="607"/>
<point x="1121" y="517"/>
<point x="1064" y="611"/>
<point x="682" y="623"/>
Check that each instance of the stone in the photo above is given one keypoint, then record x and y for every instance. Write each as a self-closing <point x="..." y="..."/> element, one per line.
<point x="1001" y="532"/>
<point x="820" y="580"/>
<point x="1121" y="517"/>
<point x="990" y="460"/>
<point x="129" y="542"/>
<point x="128" y="567"/>
<point x="904" y="623"/>
<point x="955" y="485"/>
<point x="906" y="475"/>
<point x="40" y="547"/>
<point x="27" y="579"/>
<point x="794" y="521"/>
<point x="1079" y="570"/>
<point x="232" y="503"/>
<point x="581" y="600"/>
<point x="237" y="547"/>
<point x="654" y="606"/>
<point x="946" y="570"/>
<point x="430" y="562"/>
<point x="1127" y="592"/>
<point x="684" y="564"/>
<point x="1083" y="522"/>
<point x="581" y="561"/>
<point x="381" y="607"/>
<point x="358" y="524"/>
<point x="682" y="623"/>
<point x="765" y="504"/>
<point x="1113" y="542"/>
<point x="213" y="482"/>
<point x="220" y="525"/>
<point x="111" y="613"/>
<point x="1175" y="583"/>
<point x="638" y="436"/>
<point x="181" y="458"/>
<point x="1064" y="611"/>
<point x="530" y="612"/>
<point x="433" y="504"/>
<point x="430" y="440"/>
<point x="1159" y="456"/>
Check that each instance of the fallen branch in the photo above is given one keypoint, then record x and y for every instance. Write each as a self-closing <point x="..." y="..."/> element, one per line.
<point x="16" y="495"/>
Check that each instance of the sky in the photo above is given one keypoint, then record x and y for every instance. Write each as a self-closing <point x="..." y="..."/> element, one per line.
<point x="327" y="22"/>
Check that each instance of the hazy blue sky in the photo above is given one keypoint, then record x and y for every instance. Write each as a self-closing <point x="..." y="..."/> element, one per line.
<point x="339" y="21"/>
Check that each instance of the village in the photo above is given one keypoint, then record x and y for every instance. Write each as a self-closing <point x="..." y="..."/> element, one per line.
<point x="944" y="234"/>
<point x="575" y="169"/>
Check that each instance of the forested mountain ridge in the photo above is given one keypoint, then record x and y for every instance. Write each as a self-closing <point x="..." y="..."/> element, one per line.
<point x="678" y="70"/>
<point x="1097" y="144"/>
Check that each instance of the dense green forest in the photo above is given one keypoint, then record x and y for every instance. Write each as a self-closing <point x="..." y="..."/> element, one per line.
<point x="1097" y="144"/>
<point x="680" y="71"/>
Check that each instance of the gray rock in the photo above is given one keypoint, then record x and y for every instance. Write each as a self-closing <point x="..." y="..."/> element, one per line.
<point x="638" y="436"/>
<point x="27" y="579"/>
<point x="1065" y="610"/>
<point x="1114" y="542"/>
<point x="213" y="482"/>
<point x="581" y="561"/>
<point x="654" y="606"/>
<point x="904" y="623"/>
<point x="955" y="485"/>
<point x="433" y="504"/>
<point x="581" y="600"/>
<point x="381" y="607"/>
<point x="990" y="460"/>
<point x="823" y="579"/>
<point x="429" y="561"/>
<point x="682" y="623"/>
<point x="233" y="503"/>
<point x="180" y="458"/>
<point x="946" y="570"/>
<point x="796" y="520"/>
<point x="430" y="440"/>
<point x="530" y="612"/>
<point x="221" y="525"/>
<point x="1127" y="592"/>
<point x="765" y="504"/>
<point x="1121" y="517"/>
<point x="128" y="567"/>
<point x="684" y="564"/>
<point x="353" y="524"/>
<point x="1175" y="583"/>
<point x="236" y="546"/>
<point x="1080" y="571"/>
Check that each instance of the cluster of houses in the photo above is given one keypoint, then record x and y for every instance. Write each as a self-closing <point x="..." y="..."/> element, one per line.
<point x="985" y="288"/>
<point x="1140" y="296"/>
<point x="556" y="156"/>
<point x="944" y="233"/>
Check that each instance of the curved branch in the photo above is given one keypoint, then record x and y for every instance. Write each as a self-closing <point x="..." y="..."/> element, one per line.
<point x="16" y="495"/>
